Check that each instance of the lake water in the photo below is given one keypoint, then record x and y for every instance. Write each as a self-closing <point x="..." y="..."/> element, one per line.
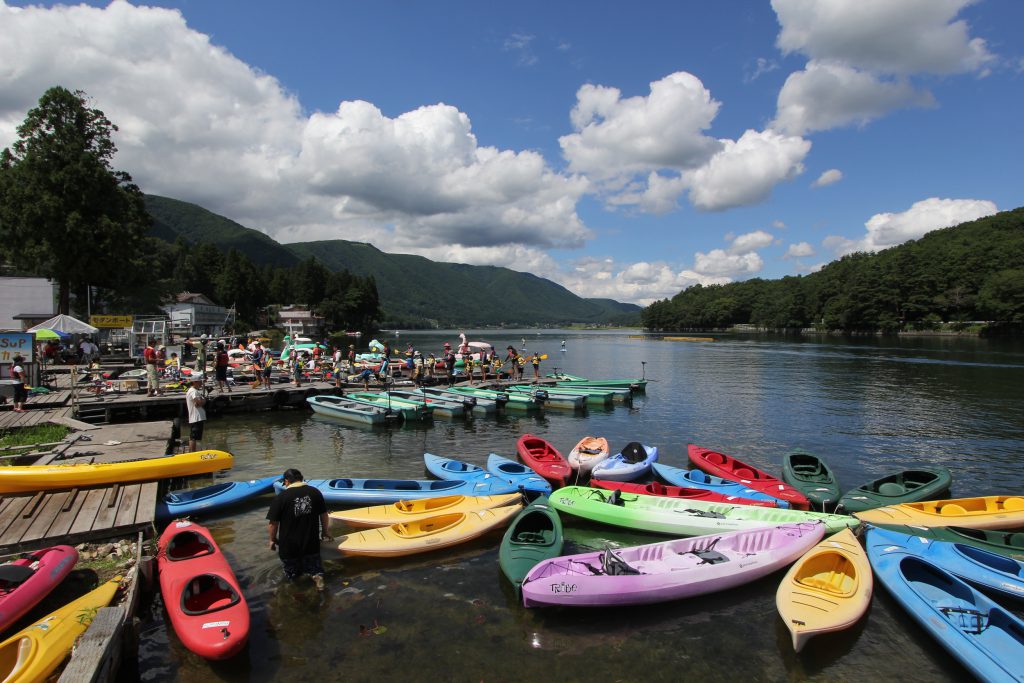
<point x="867" y="406"/>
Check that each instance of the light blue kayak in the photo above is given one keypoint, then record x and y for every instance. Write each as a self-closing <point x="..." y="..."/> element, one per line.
<point x="989" y="571"/>
<point x="697" y="479"/>
<point x="186" y="502"/>
<point x="632" y="462"/>
<point x="518" y="474"/>
<point x="452" y="469"/>
<point x="983" y="636"/>
<point x="387" y="491"/>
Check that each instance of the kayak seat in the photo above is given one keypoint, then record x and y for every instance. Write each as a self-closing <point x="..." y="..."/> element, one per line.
<point x="13" y="574"/>
<point x="716" y="458"/>
<point x="952" y="509"/>
<point x="532" y="537"/>
<point x="187" y="545"/>
<point x="891" y="488"/>
<point x="207" y="593"/>
<point x="743" y="473"/>
<point x="1013" y="504"/>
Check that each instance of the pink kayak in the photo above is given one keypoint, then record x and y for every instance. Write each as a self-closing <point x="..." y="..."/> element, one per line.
<point x="27" y="580"/>
<point x="670" y="570"/>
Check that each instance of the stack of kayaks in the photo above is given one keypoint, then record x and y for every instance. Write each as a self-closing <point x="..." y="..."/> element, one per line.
<point x="811" y="476"/>
<point x="415" y="510"/>
<point x="985" y="637"/>
<point x="518" y="474"/>
<point x="588" y="452"/>
<point x="431" y="533"/>
<point x="681" y="517"/>
<point x="544" y="459"/>
<point x="669" y="570"/>
<point x="728" y="467"/>
<point x="981" y="512"/>
<point x="828" y="589"/>
<point x="632" y="462"/>
<point x="192" y="501"/>
<point x="17" y="479"/>
<point x="203" y="599"/>
<point x="36" y="651"/>
<point x="702" y="480"/>
<point x="908" y="486"/>
<point x="657" y="489"/>
<point x="27" y="580"/>
<point x="348" y="409"/>
<point x="533" y="536"/>
<point x="384" y="491"/>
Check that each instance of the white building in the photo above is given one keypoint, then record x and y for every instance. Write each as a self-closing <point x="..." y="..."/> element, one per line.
<point x="26" y="301"/>
<point x="194" y="314"/>
<point x="301" y="322"/>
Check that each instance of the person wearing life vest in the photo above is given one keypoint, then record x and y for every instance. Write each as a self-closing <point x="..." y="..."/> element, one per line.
<point x="535" y="361"/>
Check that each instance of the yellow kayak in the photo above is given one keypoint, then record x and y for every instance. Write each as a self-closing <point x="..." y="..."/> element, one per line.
<point x="427" y="534"/>
<point x="982" y="512"/>
<point x="828" y="589"/>
<point x="40" y="477"/>
<point x="33" y="653"/>
<point x="411" y="510"/>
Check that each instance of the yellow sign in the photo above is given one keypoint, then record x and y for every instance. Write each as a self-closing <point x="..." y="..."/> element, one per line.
<point x="124" y="321"/>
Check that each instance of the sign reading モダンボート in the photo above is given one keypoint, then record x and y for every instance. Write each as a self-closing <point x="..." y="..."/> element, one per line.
<point x="15" y="344"/>
<point x="115" y="321"/>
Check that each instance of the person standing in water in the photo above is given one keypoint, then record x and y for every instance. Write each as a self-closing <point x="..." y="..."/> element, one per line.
<point x="297" y="521"/>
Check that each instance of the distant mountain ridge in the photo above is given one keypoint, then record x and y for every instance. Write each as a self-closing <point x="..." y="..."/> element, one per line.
<point x="413" y="290"/>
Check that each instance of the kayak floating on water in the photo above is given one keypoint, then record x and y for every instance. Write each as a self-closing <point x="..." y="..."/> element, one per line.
<point x="983" y="512"/>
<point x="908" y="486"/>
<point x="385" y="491"/>
<point x="415" y="510"/>
<point x="518" y="475"/>
<point x="632" y="462"/>
<point x="728" y="467"/>
<point x="811" y="476"/>
<point x="191" y="501"/>
<point x="702" y="480"/>
<point x="27" y="580"/>
<point x="533" y="536"/>
<point x="544" y="459"/>
<point x="589" y="452"/>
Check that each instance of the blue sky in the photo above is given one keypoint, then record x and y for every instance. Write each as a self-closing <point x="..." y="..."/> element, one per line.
<point x="622" y="150"/>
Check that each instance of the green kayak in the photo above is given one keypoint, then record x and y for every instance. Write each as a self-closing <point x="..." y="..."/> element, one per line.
<point x="681" y="517"/>
<point x="811" y="476"/>
<point x="519" y="401"/>
<point x="633" y="383"/>
<point x="1007" y="543"/>
<point x="409" y="411"/>
<point x="594" y="396"/>
<point x="534" y="535"/>
<point x="908" y="486"/>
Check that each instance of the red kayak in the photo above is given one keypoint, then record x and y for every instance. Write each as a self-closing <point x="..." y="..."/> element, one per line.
<point x="544" y="459"/>
<point x="728" y="467"/>
<point x="29" y="579"/>
<point x="202" y="596"/>
<point x="657" y="489"/>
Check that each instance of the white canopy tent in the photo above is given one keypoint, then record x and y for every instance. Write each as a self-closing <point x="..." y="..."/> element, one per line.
<point x="66" y="324"/>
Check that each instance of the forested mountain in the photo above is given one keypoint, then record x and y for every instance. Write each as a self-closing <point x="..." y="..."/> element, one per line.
<point x="973" y="271"/>
<point x="414" y="291"/>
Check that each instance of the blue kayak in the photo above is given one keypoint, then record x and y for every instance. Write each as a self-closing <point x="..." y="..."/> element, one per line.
<point x="632" y="462"/>
<point x="190" y="501"/>
<point x="981" y="568"/>
<point x="449" y="468"/>
<point x="701" y="480"/>
<point x="518" y="474"/>
<point x="983" y="636"/>
<point x="387" y="491"/>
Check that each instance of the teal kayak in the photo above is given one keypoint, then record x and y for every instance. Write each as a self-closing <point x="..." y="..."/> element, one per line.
<point x="410" y="412"/>
<point x="908" y="486"/>
<point x="681" y="517"/>
<point x="515" y="401"/>
<point x="534" y="535"/>
<point x="811" y="476"/>
<point x="594" y="396"/>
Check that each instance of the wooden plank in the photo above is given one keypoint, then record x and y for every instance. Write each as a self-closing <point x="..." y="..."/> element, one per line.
<point x="73" y="423"/>
<point x="45" y="516"/>
<point x="72" y="494"/>
<point x="127" y="506"/>
<point x="11" y="512"/>
<point x="146" y="511"/>
<point x="62" y="525"/>
<point x="107" y="511"/>
<point x="12" y="536"/>
<point x="97" y="653"/>
<point x="86" y="516"/>
<point x="30" y="509"/>
<point x="115" y="491"/>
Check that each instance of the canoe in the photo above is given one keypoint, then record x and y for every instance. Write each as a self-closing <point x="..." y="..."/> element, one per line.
<point x="981" y="512"/>
<point x="700" y="479"/>
<point x="385" y="491"/>
<point x="587" y="453"/>
<point x="811" y="476"/>
<point x="410" y="412"/>
<point x="544" y="459"/>
<point x="27" y="580"/>
<point x="203" y="599"/>
<point x="632" y="383"/>
<point x="414" y="510"/>
<point x="36" y="651"/>
<point x="518" y="475"/>
<point x="592" y="395"/>
<point x="632" y="462"/>
<point x="431" y="533"/>
<point x="1006" y="543"/>
<point x="443" y="407"/>
<point x="996" y="574"/>
<point x="728" y="467"/>
<point x="670" y="570"/>
<point x="511" y="401"/>
<point x="192" y="501"/>
<point x="548" y="397"/>
<point x="345" y="409"/>
<point x="983" y="636"/>
<point x="533" y="536"/>
<point x="828" y="589"/>
<point x="681" y="517"/>
<point x="908" y="486"/>
<point x="481" y="404"/>
<point x="657" y="489"/>
<point x="42" y="477"/>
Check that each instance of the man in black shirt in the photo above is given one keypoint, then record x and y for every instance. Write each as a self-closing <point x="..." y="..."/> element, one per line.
<point x="298" y="521"/>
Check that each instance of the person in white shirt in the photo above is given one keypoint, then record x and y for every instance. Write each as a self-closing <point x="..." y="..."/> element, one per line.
<point x="195" y="400"/>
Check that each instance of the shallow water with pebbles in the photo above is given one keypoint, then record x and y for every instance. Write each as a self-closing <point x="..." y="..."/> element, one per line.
<point x="867" y="406"/>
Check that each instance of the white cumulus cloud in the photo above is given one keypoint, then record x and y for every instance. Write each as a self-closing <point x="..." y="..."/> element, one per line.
<point x="829" y="177"/>
<point x="799" y="250"/>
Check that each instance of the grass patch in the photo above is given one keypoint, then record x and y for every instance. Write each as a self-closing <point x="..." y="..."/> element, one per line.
<point x="24" y="439"/>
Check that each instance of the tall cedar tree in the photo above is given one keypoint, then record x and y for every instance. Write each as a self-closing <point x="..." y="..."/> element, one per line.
<point x="64" y="212"/>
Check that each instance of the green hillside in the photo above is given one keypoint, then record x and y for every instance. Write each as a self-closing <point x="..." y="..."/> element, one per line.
<point x="413" y="290"/>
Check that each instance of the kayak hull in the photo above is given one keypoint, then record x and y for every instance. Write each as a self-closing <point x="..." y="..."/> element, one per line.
<point x="908" y="486"/>
<point x="47" y="568"/>
<point x="193" y="501"/>
<point x="702" y="480"/>
<point x="589" y="452"/>
<point x="728" y="467"/>
<point x="518" y="475"/>
<point x="415" y="510"/>
<point x="981" y="512"/>
<point x="386" y="491"/>
<point x="656" y="489"/>
<point x="811" y="476"/>
<point x="632" y="462"/>
<point x="425" y="535"/>
<point x="533" y="536"/>
<point x="544" y="459"/>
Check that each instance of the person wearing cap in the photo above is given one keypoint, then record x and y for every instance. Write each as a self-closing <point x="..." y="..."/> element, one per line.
<point x="195" y="401"/>
<point x="152" y="380"/>
<point x="296" y="522"/>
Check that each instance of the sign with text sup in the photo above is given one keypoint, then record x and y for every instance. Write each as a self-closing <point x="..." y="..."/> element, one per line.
<point x="13" y="344"/>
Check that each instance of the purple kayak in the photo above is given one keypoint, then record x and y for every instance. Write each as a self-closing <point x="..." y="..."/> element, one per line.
<point x="669" y="570"/>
